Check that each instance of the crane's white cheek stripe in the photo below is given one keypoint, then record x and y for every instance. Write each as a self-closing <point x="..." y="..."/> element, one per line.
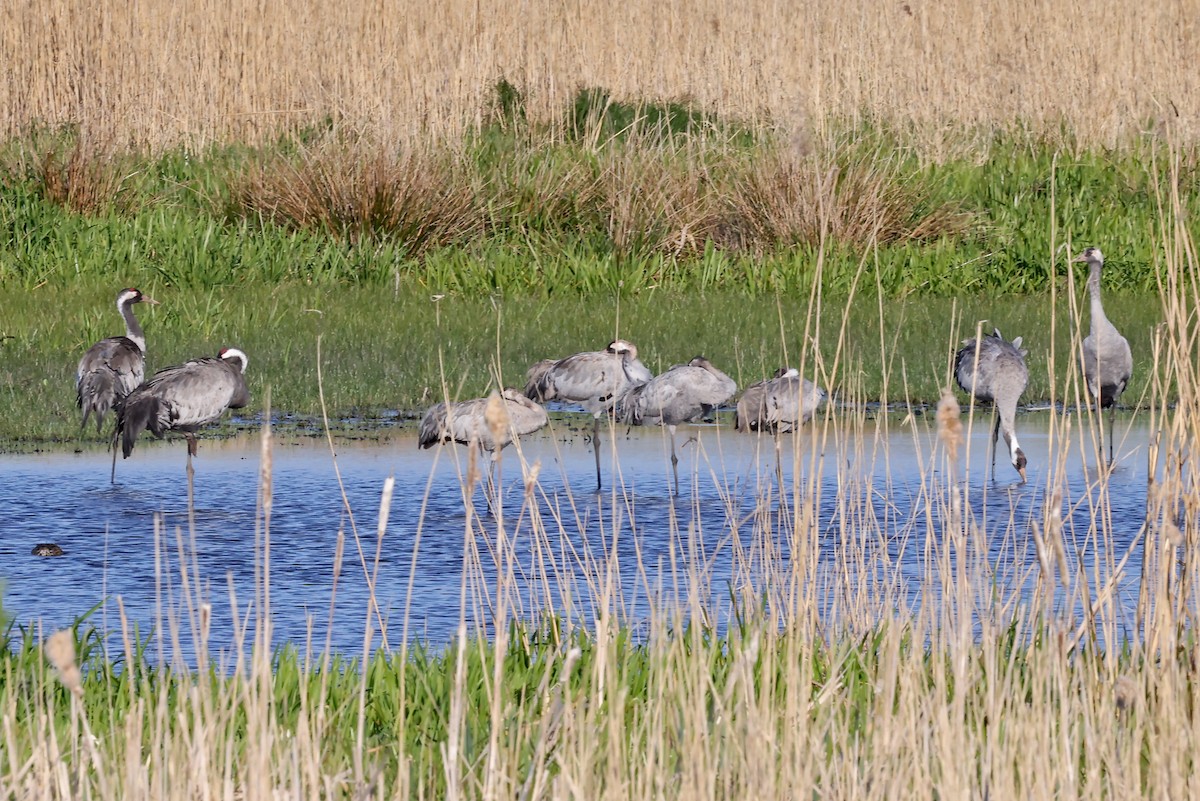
<point x="1013" y="447"/>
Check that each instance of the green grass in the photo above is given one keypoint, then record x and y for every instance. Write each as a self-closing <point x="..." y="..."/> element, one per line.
<point x="545" y="244"/>
<point x="518" y="211"/>
<point x="383" y="351"/>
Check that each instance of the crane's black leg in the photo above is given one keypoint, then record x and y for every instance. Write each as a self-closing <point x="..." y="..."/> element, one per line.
<point x="995" y="439"/>
<point x="113" y="476"/>
<point x="779" y="462"/>
<point x="674" y="459"/>
<point x="492" y="491"/>
<point x="1112" y="413"/>
<point x="596" y="447"/>
<point x="191" y="476"/>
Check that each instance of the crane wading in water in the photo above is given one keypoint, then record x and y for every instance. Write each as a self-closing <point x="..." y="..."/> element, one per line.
<point x="778" y="404"/>
<point x="113" y="367"/>
<point x="594" y="379"/>
<point x="681" y="394"/>
<point x="184" y="398"/>
<point x="490" y="423"/>
<point x="1107" y="361"/>
<point x="993" y="369"/>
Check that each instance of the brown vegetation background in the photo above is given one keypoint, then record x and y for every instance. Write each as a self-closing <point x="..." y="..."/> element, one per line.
<point x="158" y="73"/>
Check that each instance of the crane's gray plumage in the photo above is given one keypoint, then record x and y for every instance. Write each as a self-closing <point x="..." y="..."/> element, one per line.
<point x="593" y="379"/>
<point x="681" y="394"/>
<point x="993" y="369"/>
<point x="183" y="398"/>
<point x="466" y="422"/>
<point x="113" y="367"/>
<point x="779" y="403"/>
<point x="1107" y="360"/>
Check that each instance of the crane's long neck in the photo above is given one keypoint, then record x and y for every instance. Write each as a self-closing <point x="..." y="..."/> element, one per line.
<point x="1098" y="317"/>
<point x="133" y="329"/>
<point x="1008" y="415"/>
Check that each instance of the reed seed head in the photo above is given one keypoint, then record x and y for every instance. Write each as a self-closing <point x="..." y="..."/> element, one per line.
<point x="60" y="650"/>
<point x="1126" y="692"/>
<point x="496" y="415"/>
<point x="949" y="422"/>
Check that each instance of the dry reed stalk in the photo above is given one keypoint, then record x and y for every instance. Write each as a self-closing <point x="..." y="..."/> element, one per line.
<point x="653" y="205"/>
<point x="158" y="75"/>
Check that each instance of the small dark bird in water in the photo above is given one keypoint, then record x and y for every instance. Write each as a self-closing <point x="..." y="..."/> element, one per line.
<point x="47" y="549"/>
<point x="993" y="369"/>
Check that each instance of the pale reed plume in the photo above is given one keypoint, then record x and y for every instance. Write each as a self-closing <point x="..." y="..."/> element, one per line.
<point x="60" y="650"/>
<point x="949" y="423"/>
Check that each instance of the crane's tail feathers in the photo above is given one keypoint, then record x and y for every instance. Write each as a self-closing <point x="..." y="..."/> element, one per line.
<point x="431" y="432"/>
<point x="538" y="385"/>
<point x="135" y="417"/>
<point x="96" y="393"/>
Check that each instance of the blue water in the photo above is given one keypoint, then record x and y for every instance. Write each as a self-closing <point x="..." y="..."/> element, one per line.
<point x="128" y="545"/>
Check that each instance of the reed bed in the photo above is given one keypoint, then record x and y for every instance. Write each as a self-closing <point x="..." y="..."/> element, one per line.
<point x="157" y="76"/>
<point x="819" y="669"/>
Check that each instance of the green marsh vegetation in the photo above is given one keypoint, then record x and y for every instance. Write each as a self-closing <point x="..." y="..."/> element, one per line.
<point x="654" y="223"/>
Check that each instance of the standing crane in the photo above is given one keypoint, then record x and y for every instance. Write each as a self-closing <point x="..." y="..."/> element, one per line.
<point x="681" y="394"/>
<point x="1107" y="360"/>
<point x="593" y="379"/>
<point x="113" y="367"/>
<point x="779" y="403"/>
<point x="184" y="398"/>
<point x="993" y="369"/>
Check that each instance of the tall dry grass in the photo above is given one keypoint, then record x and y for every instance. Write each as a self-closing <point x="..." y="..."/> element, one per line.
<point x="156" y="74"/>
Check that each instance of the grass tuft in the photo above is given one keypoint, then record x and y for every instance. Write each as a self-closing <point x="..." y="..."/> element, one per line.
<point x="362" y="195"/>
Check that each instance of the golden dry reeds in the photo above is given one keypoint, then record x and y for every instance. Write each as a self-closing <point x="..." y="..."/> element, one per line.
<point x="158" y="74"/>
<point x="355" y="192"/>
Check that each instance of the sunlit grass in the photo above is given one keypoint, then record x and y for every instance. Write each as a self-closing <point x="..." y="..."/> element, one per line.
<point x="525" y="213"/>
<point x="384" y="352"/>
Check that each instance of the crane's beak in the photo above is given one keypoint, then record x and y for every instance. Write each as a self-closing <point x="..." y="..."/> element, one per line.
<point x="1081" y="257"/>
<point x="150" y="300"/>
<point x="1021" y="470"/>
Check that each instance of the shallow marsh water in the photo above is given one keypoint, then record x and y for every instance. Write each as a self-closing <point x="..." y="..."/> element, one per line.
<point x="875" y="486"/>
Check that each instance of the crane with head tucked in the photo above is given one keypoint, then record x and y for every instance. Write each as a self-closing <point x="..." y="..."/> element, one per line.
<point x="681" y="394"/>
<point x="778" y="404"/>
<point x="593" y="379"/>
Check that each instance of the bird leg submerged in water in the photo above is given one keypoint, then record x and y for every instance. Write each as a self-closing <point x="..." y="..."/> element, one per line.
<point x="674" y="458"/>
<point x="596" y="447"/>
<point x="993" y="370"/>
